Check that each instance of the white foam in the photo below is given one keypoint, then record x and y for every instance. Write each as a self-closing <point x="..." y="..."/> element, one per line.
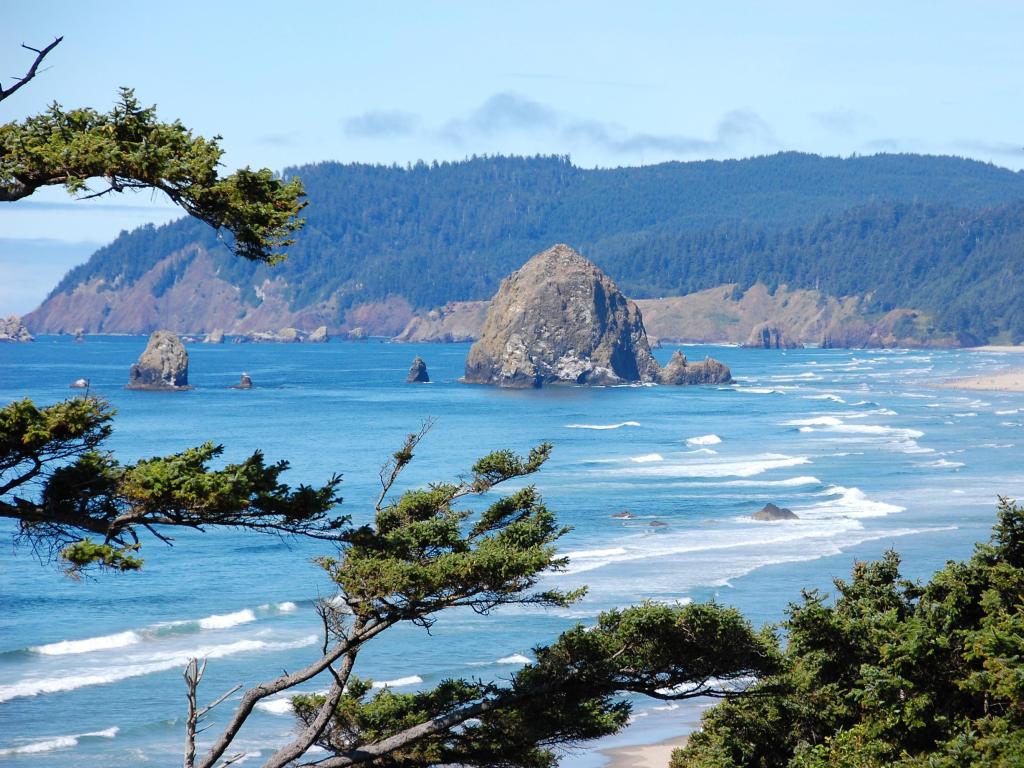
<point x="102" y="643"/>
<point x="604" y="426"/>
<point x="138" y="665"/>
<point x="582" y="554"/>
<point x="849" y="502"/>
<point x="833" y="398"/>
<point x="58" y="742"/>
<point x="742" y="467"/>
<point x="280" y="706"/>
<point x="287" y="607"/>
<point x="647" y="457"/>
<point x="817" y="421"/>
<point x="759" y="390"/>
<point x="704" y="440"/>
<point x="789" y="482"/>
<point x="1009" y="412"/>
<point x="398" y="682"/>
<point x="515" y="658"/>
<point x="227" y="620"/>
<point x="704" y="451"/>
<point x="943" y="464"/>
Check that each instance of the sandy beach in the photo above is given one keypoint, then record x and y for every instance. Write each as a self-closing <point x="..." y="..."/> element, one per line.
<point x="1007" y="381"/>
<point x="645" y="756"/>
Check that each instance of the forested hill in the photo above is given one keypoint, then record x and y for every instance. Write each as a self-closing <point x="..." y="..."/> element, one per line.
<point x="920" y="231"/>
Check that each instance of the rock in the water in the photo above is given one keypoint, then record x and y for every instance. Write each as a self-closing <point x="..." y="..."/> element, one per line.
<point x="80" y="384"/>
<point x="560" y="319"/>
<point x="290" y="335"/>
<point x="216" y="336"/>
<point x="772" y="512"/>
<point x="769" y="336"/>
<point x="418" y="372"/>
<point x="12" y="330"/>
<point x="80" y="335"/>
<point x="681" y="371"/>
<point x="623" y="515"/>
<point x="245" y="382"/>
<point x="164" y="364"/>
<point x="319" y="336"/>
<point x="357" y="334"/>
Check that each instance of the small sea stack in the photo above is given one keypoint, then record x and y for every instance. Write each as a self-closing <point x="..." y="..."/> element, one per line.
<point x="418" y="372"/>
<point x="80" y="335"/>
<point x="79" y="384"/>
<point x="162" y="366"/>
<point x="773" y="512"/>
<point x="319" y="336"/>
<point x="216" y="336"/>
<point x="245" y="382"/>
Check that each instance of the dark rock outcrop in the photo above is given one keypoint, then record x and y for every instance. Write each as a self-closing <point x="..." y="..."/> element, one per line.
<point x="245" y="382"/>
<point x="319" y="336"/>
<point x="216" y="336"/>
<point x="770" y="336"/>
<point x="560" y="320"/>
<point x="80" y="335"/>
<point x="418" y="372"/>
<point x="12" y="330"/>
<point x="164" y="364"/>
<point x="772" y="512"/>
<point x="680" y="371"/>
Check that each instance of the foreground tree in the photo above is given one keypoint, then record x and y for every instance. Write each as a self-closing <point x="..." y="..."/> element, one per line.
<point x="129" y="148"/>
<point x="425" y="553"/>
<point x="892" y="674"/>
<point x="64" y="489"/>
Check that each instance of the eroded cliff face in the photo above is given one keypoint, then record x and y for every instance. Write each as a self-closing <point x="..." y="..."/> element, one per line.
<point x="725" y="315"/>
<point x="560" y="319"/>
<point x="199" y="301"/>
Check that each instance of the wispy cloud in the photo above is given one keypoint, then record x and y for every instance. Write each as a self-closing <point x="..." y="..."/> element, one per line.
<point x="278" y="139"/>
<point x="844" y="122"/>
<point x="510" y="114"/>
<point x="382" y="124"/>
<point x="502" y="113"/>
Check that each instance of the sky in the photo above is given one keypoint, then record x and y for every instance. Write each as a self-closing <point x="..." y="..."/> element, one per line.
<point x="608" y="83"/>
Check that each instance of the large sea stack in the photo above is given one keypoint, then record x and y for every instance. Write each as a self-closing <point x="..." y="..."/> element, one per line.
<point x="560" y="320"/>
<point x="163" y="366"/>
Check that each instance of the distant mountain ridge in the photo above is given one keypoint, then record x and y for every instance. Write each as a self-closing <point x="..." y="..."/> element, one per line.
<point x="940" y="234"/>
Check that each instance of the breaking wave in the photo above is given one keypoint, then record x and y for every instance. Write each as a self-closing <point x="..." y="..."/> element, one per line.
<point x="604" y="426"/>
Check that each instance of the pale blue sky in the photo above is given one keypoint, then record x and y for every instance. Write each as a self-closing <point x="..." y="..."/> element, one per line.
<point x="608" y="83"/>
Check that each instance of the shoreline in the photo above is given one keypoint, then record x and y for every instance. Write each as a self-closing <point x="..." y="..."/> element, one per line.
<point x="655" y="755"/>
<point x="1005" y="381"/>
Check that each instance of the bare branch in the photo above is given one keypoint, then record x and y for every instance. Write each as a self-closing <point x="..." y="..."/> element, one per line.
<point x="33" y="70"/>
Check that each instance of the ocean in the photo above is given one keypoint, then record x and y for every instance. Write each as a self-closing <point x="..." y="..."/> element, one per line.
<point x="858" y="443"/>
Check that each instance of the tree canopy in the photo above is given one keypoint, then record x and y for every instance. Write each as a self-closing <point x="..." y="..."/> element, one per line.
<point x="129" y="148"/>
<point x="893" y="673"/>
<point x="64" y="489"/>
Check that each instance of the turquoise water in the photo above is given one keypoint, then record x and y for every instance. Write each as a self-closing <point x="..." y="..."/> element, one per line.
<point x="855" y="442"/>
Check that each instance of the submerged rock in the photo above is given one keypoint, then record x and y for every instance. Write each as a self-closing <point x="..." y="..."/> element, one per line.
<point x="680" y="371"/>
<point x="163" y="365"/>
<point x="12" y="330"/>
<point x="418" y="372"/>
<point x="560" y="320"/>
<point x="216" y="336"/>
<point x="245" y="382"/>
<point x="769" y="336"/>
<point x="772" y="512"/>
<point x="623" y="515"/>
<point x="79" y="384"/>
<point x="319" y="336"/>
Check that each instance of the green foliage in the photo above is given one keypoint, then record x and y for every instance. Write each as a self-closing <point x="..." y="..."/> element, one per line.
<point x="60" y="486"/>
<point x="129" y="148"/>
<point x="937" y="234"/>
<point x="891" y="674"/>
<point x="572" y="693"/>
